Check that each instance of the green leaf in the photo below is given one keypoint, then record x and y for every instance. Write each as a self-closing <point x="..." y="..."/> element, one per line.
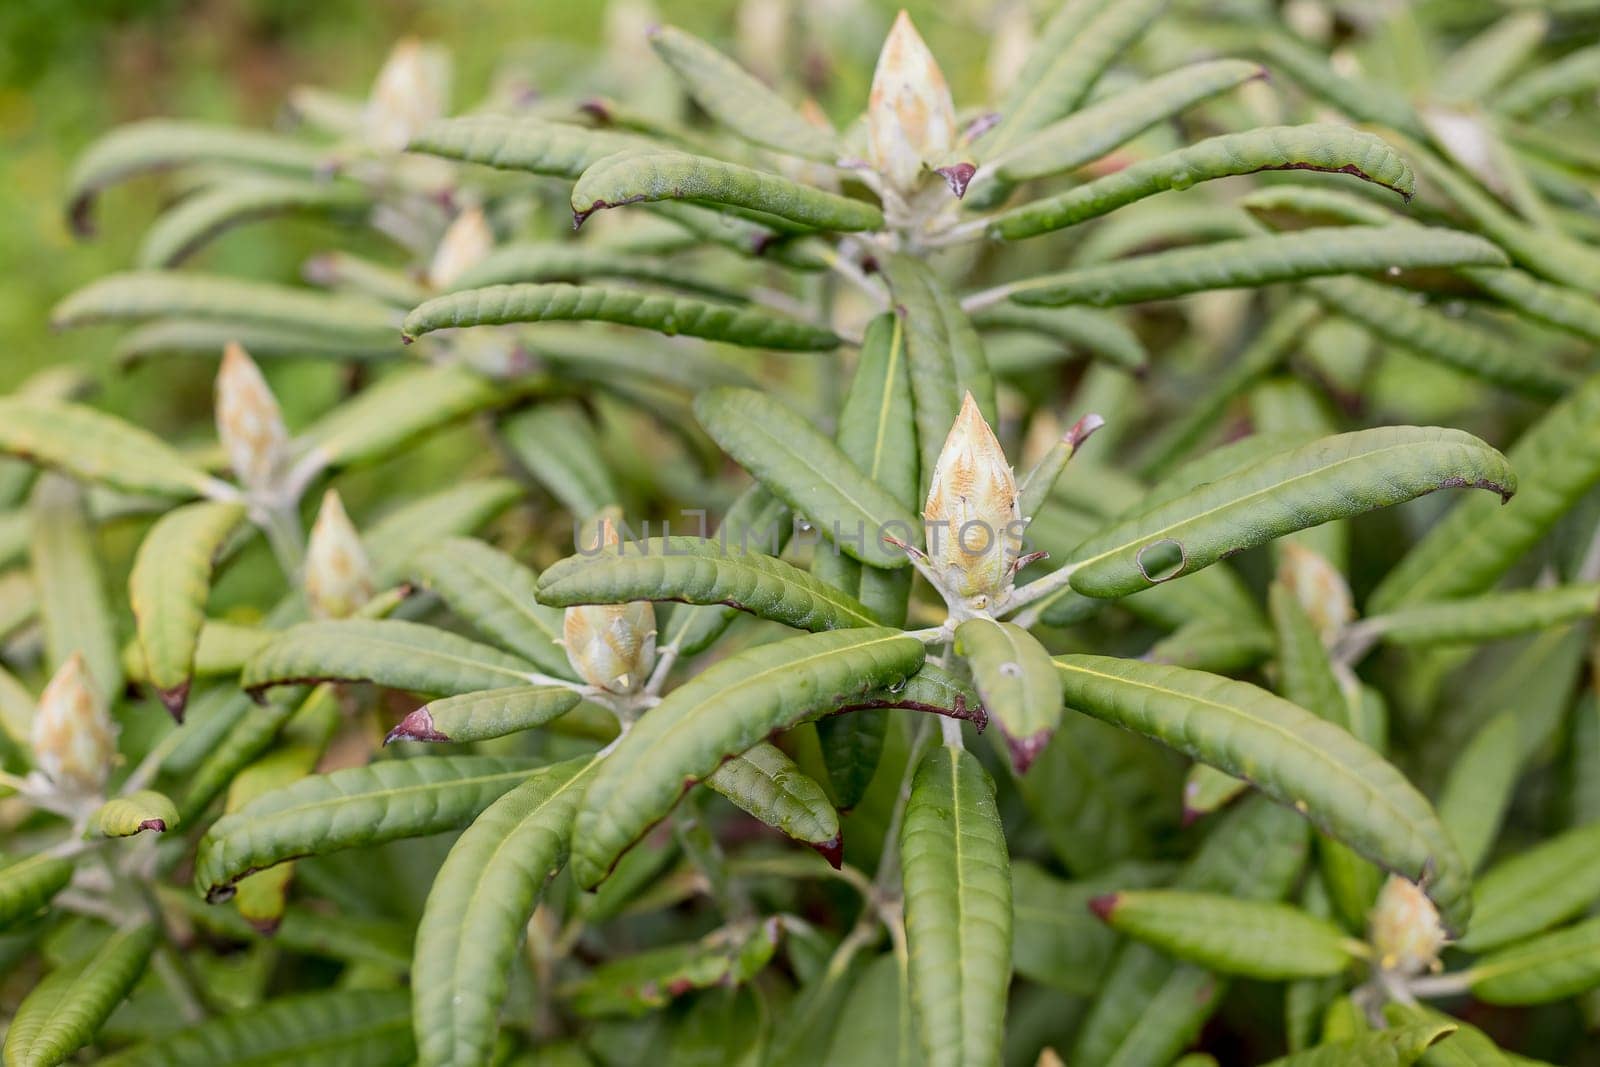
<point x="64" y="1012"/>
<point x="350" y="808"/>
<point x="396" y="540"/>
<point x="1207" y="789"/>
<point x="558" y="445"/>
<point x="1055" y="938"/>
<point x="1574" y="73"/>
<point x="1467" y="1047"/>
<point x="956" y="875"/>
<point x="1473" y="620"/>
<point x="1089" y="133"/>
<point x="199" y="337"/>
<point x="66" y="573"/>
<point x="563" y="261"/>
<point x="168" y="588"/>
<point x="203" y="216"/>
<point x="756" y="518"/>
<point x="721" y="712"/>
<point x="1328" y="479"/>
<point x="1313" y="147"/>
<point x="332" y="1028"/>
<point x="1219" y="644"/>
<point x="659" y="174"/>
<point x="498" y="595"/>
<point x="128" y="815"/>
<point x="945" y="356"/>
<point x="556" y="301"/>
<point x="1478" y="791"/>
<point x="485" y="714"/>
<point x="738" y="100"/>
<point x="1306" y="674"/>
<point x="1534" y="890"/>
<point x="1248" y="262"/>
<point x="1294" y="757"/>
<point x="1556" y="306"/>
<point x="1555" y="966"/>
<point x="515" y="143"/>
<point x="1557" y="460"/>
<point x="478" y="909"/>
<point x="96" y="447"/>
<point x="161" y="144"/>
<point x="1366" y="100"/>
<point x="28" y="884"/>
<point x="1391" y="314"/>
<point x="1096" y="332"/>
<point x="140" y="295"/>
<point x="809" y="473"/>
<point x="698" y="570"/>
<point x="769" y="785"/>
<point x="1252" y="938"/>
<point x="634" y="985"/>
<point x="1394" y="1047"/>
<point x="875" y="425"/>
<point x="403" y="407"/>
<point x="1017" y="681"/>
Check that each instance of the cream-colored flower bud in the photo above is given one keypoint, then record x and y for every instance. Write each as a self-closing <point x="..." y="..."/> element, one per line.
<point x="911" y="121"/>
<point x="411" y="90"/>
<point x="467" y="242"/>
<point x="74" y="740"/>
<point x="1319" y="587"/>
<point x="338" y="577"/>
<point x="1404" y="929"/>
<point x="249" y="422"/>
<point x="974" y="523"/>
<point x="611" y="646"/>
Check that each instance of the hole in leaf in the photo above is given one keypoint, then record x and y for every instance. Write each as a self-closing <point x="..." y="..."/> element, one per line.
<point x="1161" y="560"/>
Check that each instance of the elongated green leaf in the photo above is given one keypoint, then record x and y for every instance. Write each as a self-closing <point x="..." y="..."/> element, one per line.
<point x="482" y="715"/>
<point x="160" y="144"/>
<point x="401" y="408"/>
<point x="809" y="473"/>
<point x="875" y="425"/>
<point x="1576" y="72"/>
<point x="199" y="337"/>
<point x="348" y="808"/>
<point x="769" y="785"/>
<point x="1090" y="133"/>
<point x="1332" y="478"/>
<point x="1313" y="147"/>
<point x="396" y="541"/>
<point x="1306" y="675"/>
<point x="653" y="174"/>
<point x="521" y="144"/>
<point x="701" y="571"/>
<point x="1017" y="681"/>
<point x="65" y="1011"/>
<point x="746" y="237"/>
<point x="1056" y="940"/>
<point x="347" y="272"/>
<point x="1286" y="752"/>
<point x="141" y="295"/>
<point x="1558" y="965"/>
<point x="558" y="445"/>
<point x="1395" y="1047"/>
<point x="1254" y="261"/>
<point x="1207" y="789"/>
<point x="1365" y="99"/>
<point x="556" y="301"/>
<point x="945" y="356"/>
<point x="1535" y="890"/>
<point x="956" y="875"/>
<point x="1391" y="314"/>
<point x="738" y="100"/>
<point x="401" y="655"/>
<point x="633" y="985"/>
<point x="95" y="447"/>
<point x="478" y="908"/>
<point x="721" y="712"/>
<point x="345" y="1027"/>
<point x="1218" y="644"/>
<point x="1486" y="618"/>
<point x="1096" y="332"/>
<point x="66" y="573"/>
<point x="168" y="588"/>
<point x="28" y="884"/>
<point x="128" y="815"/>
<point x="563" y="261"/>
<point x="1553" y="305"/>
<point x="499" y="596"/>
<point x="1478" y="790"/>
<point x="1252" y="938"/>
<point x="200" y="219"/>
<point x="757" y="519"/>
<point x="1558" y="460"/>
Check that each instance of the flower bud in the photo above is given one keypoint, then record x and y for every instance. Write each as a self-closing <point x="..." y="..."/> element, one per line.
<point x="74" y="740"/>
<point x="974" y="521"/>
<point x="1404" y="928"/>
<point x="249" y="422"/>
<point x="465" y="244"/>
<point x="611" y="646"/>
<point x="1320" y="588"/>
<point x="411" y="90"/>
<point x="911" y="121"/>
<point x="338" y="576"/>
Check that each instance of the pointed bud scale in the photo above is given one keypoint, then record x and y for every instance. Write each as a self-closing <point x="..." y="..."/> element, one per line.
<point x="611" y="646"/>
<point x="911" y="121"/>
<point x="338" y="577"/>
<point x="974" y="523"/>
<point x="465" y="244"/>
<point x="1321" y="590"/>
<point x="1404" y="928"/>
<point x="411" y="90"/>
<point x="74" y="740"/>
<point x="249" y="422"/>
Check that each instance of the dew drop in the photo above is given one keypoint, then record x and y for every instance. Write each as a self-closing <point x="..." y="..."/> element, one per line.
<point x="898" y="687"/>
<point x="1393" y="272"/>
